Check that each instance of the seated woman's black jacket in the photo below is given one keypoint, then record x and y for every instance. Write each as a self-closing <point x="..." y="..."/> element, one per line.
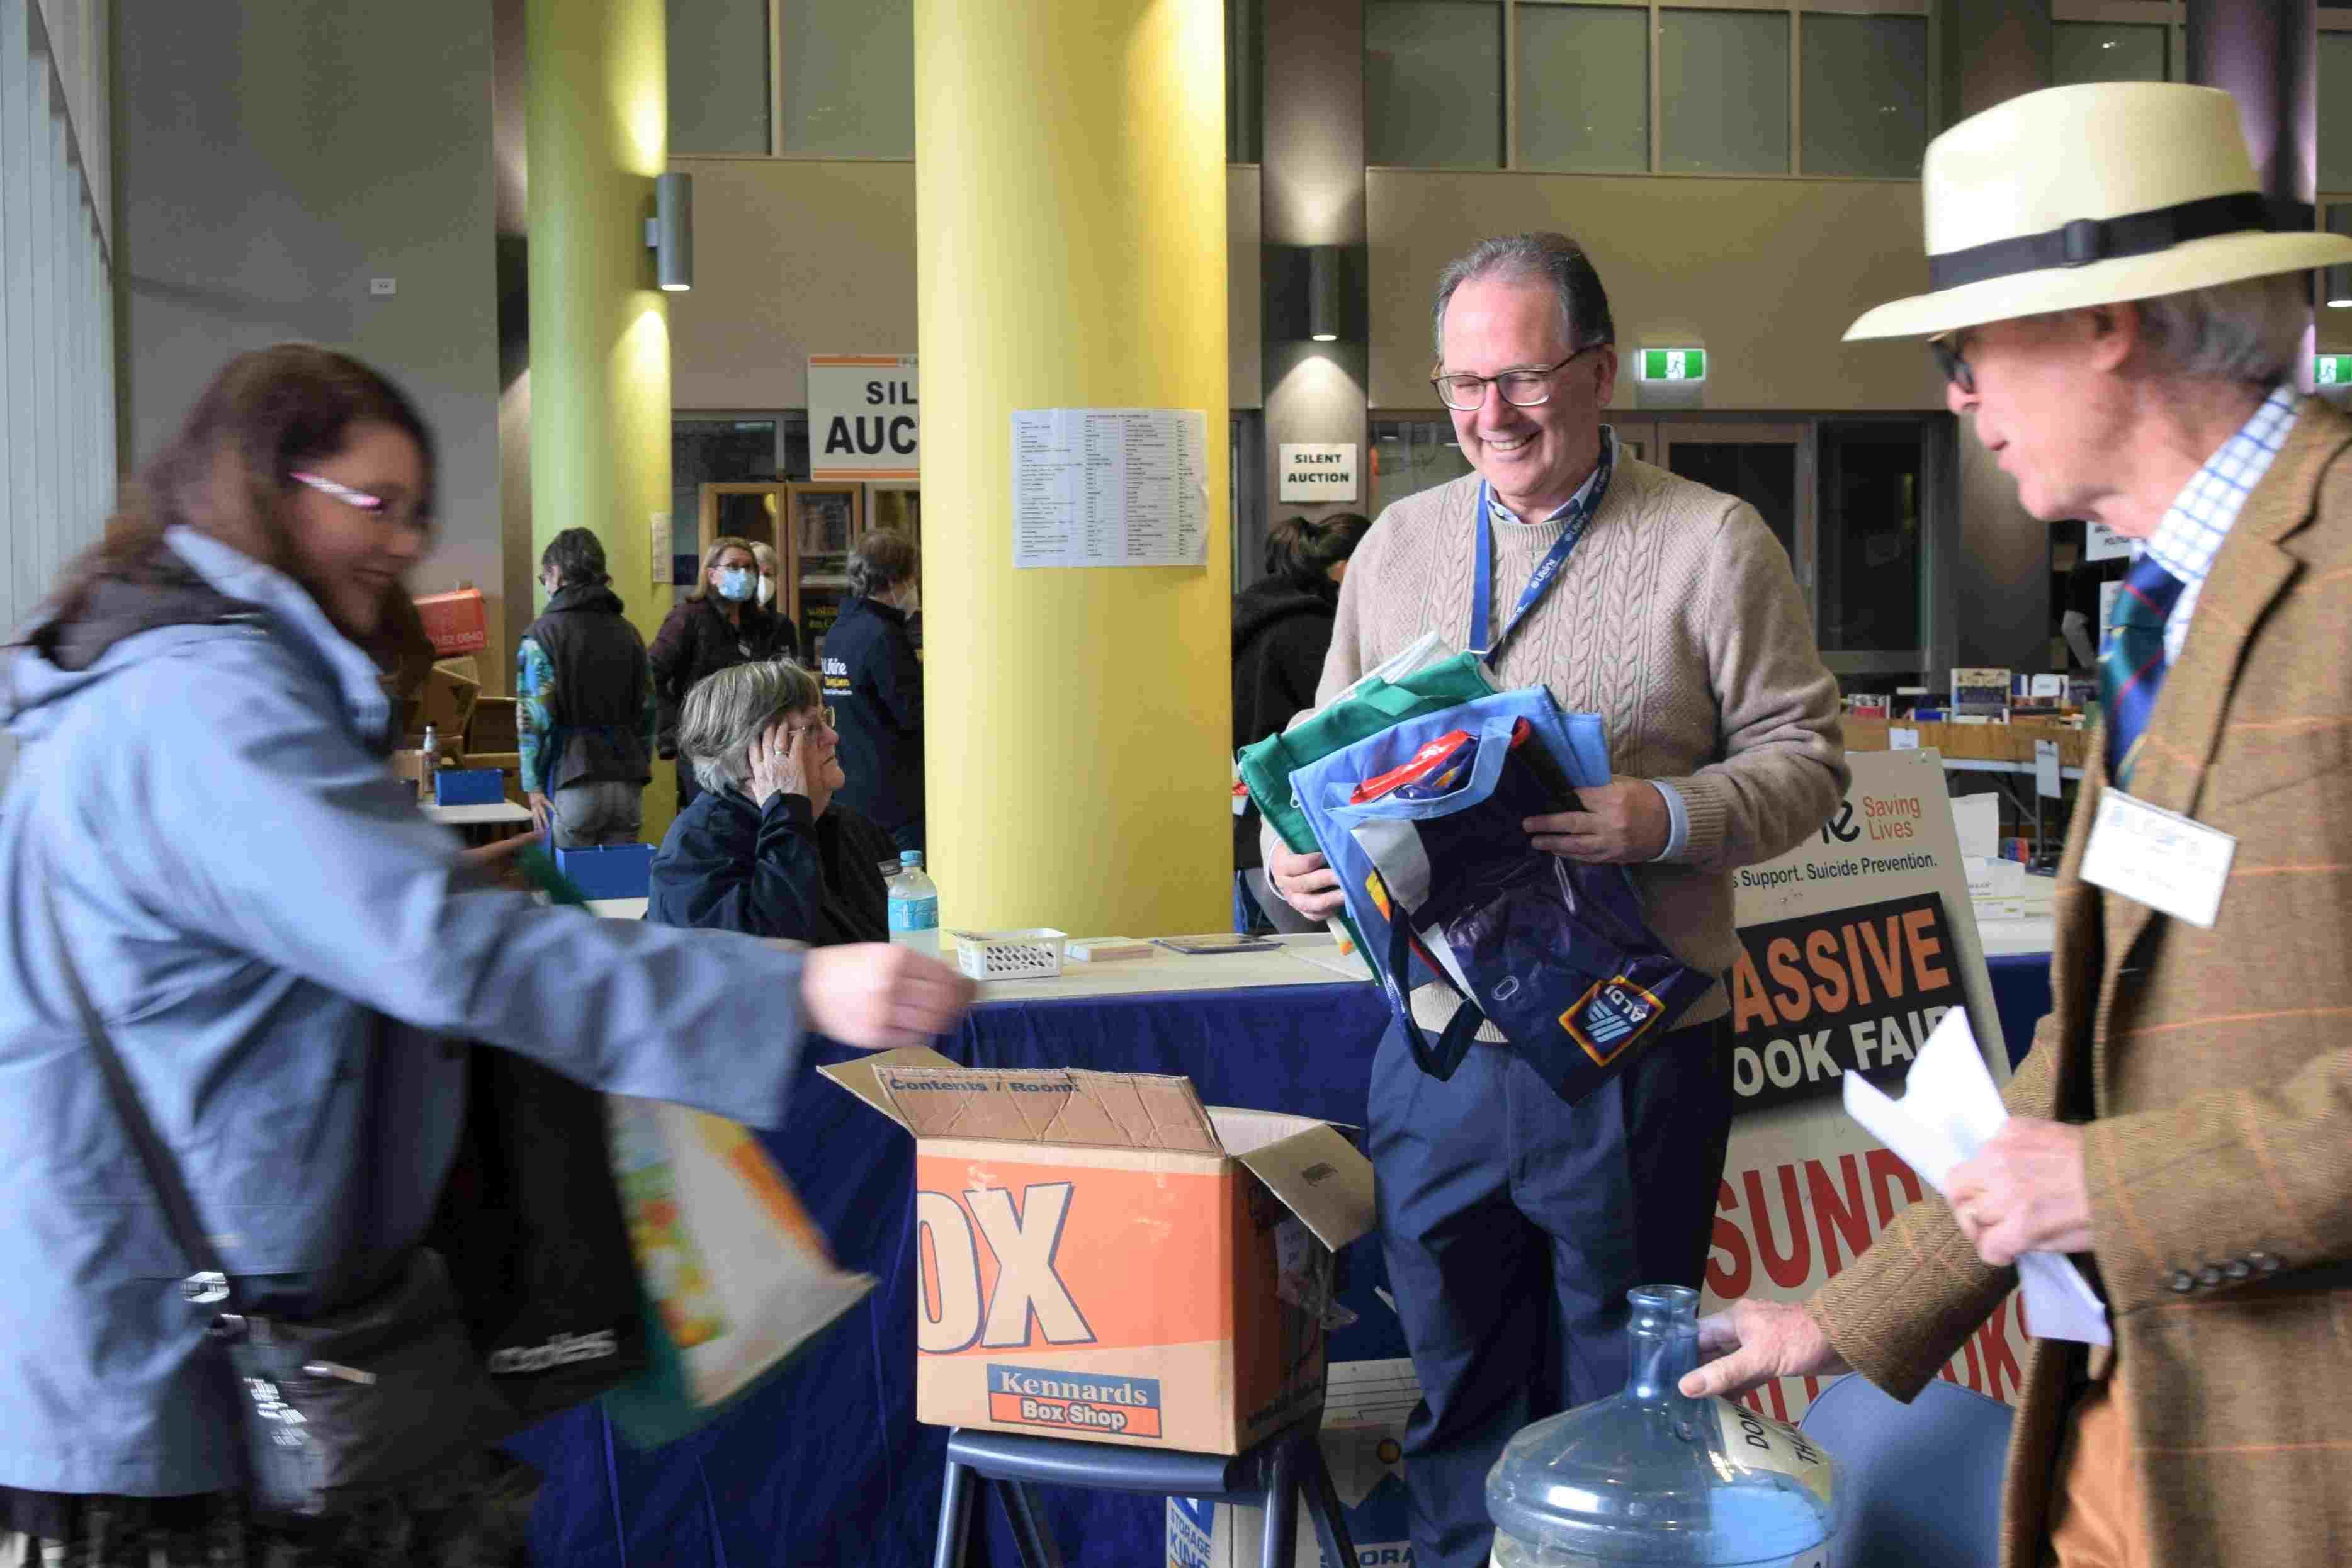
<point x="728" y="865"/>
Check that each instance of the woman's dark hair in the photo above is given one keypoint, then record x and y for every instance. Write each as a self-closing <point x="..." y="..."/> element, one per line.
<point x="1303" y="550"/>
<point x="882" y="560"/>
<point x="579" y="556"/>
<point x="227" y="472"/>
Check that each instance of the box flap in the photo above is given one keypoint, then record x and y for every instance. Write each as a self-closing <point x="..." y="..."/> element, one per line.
<point x="861" y="1075"/>
<point x="1055" y="1106"/>
<point x="1317" y="1174"/>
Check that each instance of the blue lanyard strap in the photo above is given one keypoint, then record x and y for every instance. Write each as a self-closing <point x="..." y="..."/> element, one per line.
<point x="1581" y="514"/>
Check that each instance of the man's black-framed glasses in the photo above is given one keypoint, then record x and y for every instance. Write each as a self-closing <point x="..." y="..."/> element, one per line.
<point x="1521" y="389"/>
<point x="1951" y="359"/>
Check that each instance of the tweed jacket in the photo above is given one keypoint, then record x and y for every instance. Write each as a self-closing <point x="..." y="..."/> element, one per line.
<point x="2213" y="1073"/>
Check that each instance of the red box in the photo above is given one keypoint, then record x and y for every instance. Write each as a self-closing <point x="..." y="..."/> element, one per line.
<point x="457" y="622"/>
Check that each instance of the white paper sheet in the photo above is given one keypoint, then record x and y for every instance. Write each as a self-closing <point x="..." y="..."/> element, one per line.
<point x="1110" y="486"/>
<point x="1949" y="1108"/>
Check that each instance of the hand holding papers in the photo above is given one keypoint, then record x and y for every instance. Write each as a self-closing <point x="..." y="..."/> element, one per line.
<point x="1949" y="1108"/>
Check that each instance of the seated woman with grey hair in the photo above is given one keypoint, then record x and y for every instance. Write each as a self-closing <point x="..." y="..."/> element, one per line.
<point x="765" y="849"/>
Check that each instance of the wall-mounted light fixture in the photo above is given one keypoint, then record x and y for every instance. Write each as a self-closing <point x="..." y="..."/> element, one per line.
<point x="1323" y="312"/>
<point x="669" y="233"/>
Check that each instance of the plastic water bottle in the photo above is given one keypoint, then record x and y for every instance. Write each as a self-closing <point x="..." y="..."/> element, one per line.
<point x="1652" y="1478"/>
<point x="914" y="907"/>
<point x="428" y="762"/>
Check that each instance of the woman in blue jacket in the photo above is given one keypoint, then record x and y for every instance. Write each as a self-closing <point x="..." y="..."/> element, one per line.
<point x="203" y="823"/>
<point x="873" y="679"/>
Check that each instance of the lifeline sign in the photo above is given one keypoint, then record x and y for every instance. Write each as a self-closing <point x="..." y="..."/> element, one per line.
<point x="1846" y="990"/>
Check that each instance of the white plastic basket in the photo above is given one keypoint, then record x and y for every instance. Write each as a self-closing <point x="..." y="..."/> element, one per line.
<point x="1030" y="955"/>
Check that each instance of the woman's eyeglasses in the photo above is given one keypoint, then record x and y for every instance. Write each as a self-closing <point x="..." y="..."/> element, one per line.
<point x="824" y="721"/>
<point x="362" y="500"/>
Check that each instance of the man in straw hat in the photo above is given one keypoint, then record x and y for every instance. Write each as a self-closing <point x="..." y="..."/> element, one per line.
<point x="2109" y="304"/>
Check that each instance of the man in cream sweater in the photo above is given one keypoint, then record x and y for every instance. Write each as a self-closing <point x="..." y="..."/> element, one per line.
<point x="1514" y="1223"/>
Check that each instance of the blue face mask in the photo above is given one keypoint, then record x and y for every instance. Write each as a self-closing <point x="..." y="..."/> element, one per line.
<point x="736" y="583"/>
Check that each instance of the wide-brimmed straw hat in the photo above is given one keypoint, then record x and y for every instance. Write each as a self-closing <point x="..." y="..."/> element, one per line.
<point x="2089" y="195"/>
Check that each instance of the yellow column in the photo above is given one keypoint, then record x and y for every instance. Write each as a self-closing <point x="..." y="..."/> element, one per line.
<point x="597" y="132"/>
<point x="1070" y="219"/>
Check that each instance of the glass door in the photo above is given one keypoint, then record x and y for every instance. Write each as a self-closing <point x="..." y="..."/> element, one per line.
<point x="824" y="522"/>
<point x="1770" y="467"/>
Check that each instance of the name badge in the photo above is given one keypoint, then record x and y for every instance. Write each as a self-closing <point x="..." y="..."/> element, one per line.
<point x="2174" y="865"/>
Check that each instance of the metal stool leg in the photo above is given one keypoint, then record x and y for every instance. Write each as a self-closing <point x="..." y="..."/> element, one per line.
<point x="1323" y="1508"/>
<point x="1280" y="1545"/>
<point x="1025" y="1510"/>
<point x="954" y="1541"/>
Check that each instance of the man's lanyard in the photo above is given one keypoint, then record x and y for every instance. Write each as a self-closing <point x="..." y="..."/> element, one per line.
<point x="1482" y="584"/>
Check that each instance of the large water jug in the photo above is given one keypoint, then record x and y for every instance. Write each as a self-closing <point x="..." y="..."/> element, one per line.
<point x="1650" y="1478"/>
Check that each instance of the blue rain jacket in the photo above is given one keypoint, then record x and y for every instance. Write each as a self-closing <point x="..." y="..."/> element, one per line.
<point x="241" y="883"/>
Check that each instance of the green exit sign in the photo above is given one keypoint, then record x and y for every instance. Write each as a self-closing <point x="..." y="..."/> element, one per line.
<point x="1686" y="364"/>
<point x="2332" y="370"/>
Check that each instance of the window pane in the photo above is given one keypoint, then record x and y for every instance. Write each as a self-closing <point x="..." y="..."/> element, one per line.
<point x="2336" y="112"/>
<point x="849" y="77"/>
<point x="1433" y="83"/>
<point x="1408" y="459"/>
<point x="1584" y="89"/>
<point x="2104" y="51"/>
<point x="1761" y="473"/>
<point x="1724" y="86"/>
<point x="1869" y="537"/>
<point x="1865" y="94"/>
<point x="718" y="76"/>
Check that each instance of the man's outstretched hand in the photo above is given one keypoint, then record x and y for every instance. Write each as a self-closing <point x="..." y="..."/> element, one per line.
<point x="1752" y="1342"/>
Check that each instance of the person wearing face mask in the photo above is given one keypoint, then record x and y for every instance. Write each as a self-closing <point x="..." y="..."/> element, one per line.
<point x="585" y="717"/>
<point x="764" y="557"/>
<point x="768" y="849"/>
<point x="720" y="626"/>
<point x="874" y="682"/>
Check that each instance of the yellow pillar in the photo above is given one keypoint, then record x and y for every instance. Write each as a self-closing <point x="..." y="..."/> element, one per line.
<point x="1070" y="220"/>
<point x="597" y="133"/>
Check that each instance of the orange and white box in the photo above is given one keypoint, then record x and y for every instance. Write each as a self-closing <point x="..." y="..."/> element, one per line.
<point x="1104" y="1258"/>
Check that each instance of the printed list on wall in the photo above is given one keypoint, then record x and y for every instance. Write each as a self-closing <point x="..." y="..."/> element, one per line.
<point x="1110" y="486"/>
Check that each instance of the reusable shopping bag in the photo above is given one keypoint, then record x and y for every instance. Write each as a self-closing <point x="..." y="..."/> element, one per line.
<point x="737" y="1278"/>
<point x="1424" y="820"/>
<point x="1369" y="706"/>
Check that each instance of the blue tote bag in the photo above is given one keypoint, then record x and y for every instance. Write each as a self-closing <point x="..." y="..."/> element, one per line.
<point x="1445" y="887"/>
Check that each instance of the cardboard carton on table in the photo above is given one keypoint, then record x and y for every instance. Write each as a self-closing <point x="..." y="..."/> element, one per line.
<point x="1104" y="1258"/>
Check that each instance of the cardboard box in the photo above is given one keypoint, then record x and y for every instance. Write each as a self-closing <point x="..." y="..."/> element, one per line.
<point x="1363" y="1439"/>
<point x="457" y="622"/>
<point x="408" y="765"/>
<point x="1865" y="733"/>
<point x="446" y="701"/>
<point x="493" y="728"/>
<point x="1104" y="1258"/>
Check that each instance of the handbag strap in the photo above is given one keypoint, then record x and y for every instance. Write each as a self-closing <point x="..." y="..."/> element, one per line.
<point x="209" y="1282"/>
<point x="1454" y="1042"/>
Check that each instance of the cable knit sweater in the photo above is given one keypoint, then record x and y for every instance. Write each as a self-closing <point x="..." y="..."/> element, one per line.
<point x="1677" y="620"/>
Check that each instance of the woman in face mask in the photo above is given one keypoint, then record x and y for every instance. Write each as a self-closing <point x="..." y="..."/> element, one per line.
<point x="719" y="625"/>
<point x="764" y="556"/>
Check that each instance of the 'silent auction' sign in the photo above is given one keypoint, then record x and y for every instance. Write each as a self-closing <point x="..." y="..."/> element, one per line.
<point x="864" y="418"/>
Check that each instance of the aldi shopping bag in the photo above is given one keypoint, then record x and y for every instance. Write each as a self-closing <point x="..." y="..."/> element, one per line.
<point x="1424" y="820"/>
<point x="735" y="1276"/>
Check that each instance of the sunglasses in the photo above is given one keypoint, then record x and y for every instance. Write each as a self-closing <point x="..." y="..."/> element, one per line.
<point x="1952" y="360"/>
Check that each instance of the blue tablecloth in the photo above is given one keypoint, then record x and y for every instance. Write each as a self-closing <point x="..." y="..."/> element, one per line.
<point x="828" y="1465"/>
